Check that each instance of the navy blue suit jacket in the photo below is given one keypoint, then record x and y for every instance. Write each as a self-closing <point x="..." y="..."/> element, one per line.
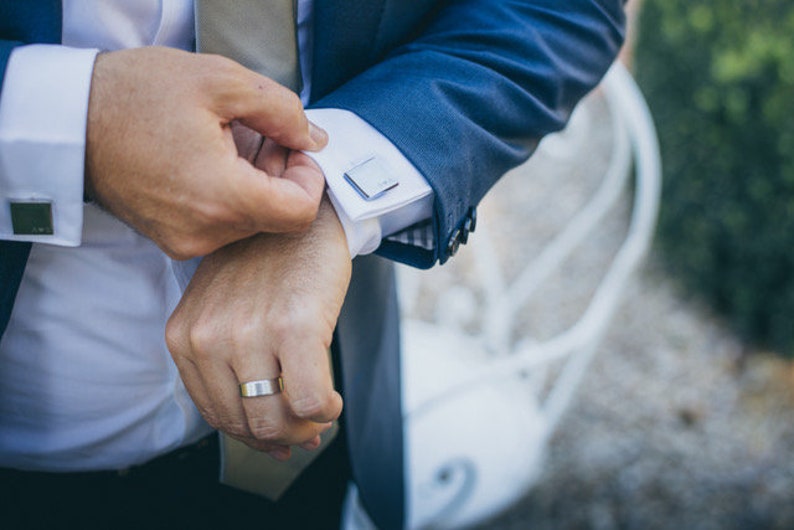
<point x="465" y="89"/>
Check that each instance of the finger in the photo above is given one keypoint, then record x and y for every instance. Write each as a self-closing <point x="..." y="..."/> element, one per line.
<point x="178" y="344"/>
<point x="280" y="453"/>
<point x="308" y="383"/>
<point x="247" y="141"/>
<point x="313" y="444"/>
<point x="223" y="392"/>
<point x="269" y="108"/>
<point x="277" y="451"/>
<point x="305" y="172"/>
<point x="194" y="385"/>
<point x="272" y="158"/>
<point x="272" y="424"/>
<point x="273" y="204"/>
<point x="269" y="417"/>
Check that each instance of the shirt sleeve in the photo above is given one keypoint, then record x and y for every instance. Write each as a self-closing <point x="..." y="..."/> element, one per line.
<point x="43" y="109"/>
<point x="375" y="190"/>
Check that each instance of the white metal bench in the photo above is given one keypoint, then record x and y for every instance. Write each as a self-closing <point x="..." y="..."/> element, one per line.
<point x="481" y="406"/>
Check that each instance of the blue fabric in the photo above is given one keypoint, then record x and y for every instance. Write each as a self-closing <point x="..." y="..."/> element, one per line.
<point x="13" y="257"/>
<point x="368" y="341"/>
<point x="30" y="20"/>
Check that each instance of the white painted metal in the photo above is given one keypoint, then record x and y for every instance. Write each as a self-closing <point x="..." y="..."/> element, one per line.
<point x="476" y="422"/>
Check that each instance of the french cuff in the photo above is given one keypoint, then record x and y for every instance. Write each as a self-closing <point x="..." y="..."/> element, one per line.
<point x="43" y="113"/>
<point x="375" y="190"/>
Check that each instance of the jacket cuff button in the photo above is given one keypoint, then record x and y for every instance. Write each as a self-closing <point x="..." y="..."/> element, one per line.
<point x="471" y="222"/>
<point x="454" y="243"/>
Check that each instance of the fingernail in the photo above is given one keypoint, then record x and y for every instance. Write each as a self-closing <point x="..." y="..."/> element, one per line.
<point x="318" y="135"/>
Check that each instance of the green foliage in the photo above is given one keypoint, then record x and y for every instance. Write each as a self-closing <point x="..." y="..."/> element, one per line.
<point x="719" y="78"/>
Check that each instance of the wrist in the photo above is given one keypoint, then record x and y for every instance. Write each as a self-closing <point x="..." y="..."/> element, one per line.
<point x="94" y="129"/>
<point x="330" y="224"/>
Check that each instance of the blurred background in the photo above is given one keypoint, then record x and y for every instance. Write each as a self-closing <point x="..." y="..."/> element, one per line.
<point x="684" y="417"/>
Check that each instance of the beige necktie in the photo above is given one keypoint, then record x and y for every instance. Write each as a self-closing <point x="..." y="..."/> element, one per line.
<point x="261" y="35"/>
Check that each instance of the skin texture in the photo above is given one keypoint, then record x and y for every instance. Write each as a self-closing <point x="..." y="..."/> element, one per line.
<point x="160" y="153"/>
<point x="263" y="307"/>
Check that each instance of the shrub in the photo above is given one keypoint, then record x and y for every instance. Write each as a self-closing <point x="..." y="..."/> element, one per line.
<point x="719" y="78"/>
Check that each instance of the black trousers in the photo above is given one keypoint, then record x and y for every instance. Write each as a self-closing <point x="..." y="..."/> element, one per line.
<point x="178" y="490"/>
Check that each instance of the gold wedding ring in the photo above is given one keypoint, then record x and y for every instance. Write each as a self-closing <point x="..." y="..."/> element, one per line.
<point x="263" y="387"/>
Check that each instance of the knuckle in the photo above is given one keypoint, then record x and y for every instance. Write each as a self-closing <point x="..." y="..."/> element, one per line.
<point x="202" y="339"/>
<point x="184" y="248"/>
<point x="248" y="331"/>
<point x="290" y="116"/>
<point x="175" y="333"/>
<point x="173" y="253"/>
<point x="312" y="405"/>
<point x="238" y="430"/>
<point x="211" y="416"/>
<point x="267" y="431"/>
<point x="289" y="103"/>
<point x="213" y="420"/>
<point x="293" y="103"/>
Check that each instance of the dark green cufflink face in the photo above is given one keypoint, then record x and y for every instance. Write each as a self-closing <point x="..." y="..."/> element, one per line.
<point x="31" y="218"/>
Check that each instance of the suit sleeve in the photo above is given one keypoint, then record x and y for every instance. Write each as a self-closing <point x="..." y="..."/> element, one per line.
<point x="17" y="26"/>
<point x="5" y="52"/>
<point x="471" y="96"/>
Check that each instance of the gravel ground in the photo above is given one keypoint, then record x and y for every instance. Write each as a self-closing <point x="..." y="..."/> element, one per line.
<point x="676" y="423"/>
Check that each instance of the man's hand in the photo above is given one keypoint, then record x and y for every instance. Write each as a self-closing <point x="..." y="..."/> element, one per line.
<point x="259" y="308"/>
<point x="161" y="157"/>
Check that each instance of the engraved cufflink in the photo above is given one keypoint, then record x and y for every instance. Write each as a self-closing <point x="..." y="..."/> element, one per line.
<point x="371" y="179"/>
<point x="31" y="218"/>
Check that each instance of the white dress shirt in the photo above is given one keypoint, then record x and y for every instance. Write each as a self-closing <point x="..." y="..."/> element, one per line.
<point x="86" y="379"/>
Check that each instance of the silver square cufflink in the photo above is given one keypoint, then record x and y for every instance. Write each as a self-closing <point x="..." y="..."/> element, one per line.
<point x="371" y="179"/>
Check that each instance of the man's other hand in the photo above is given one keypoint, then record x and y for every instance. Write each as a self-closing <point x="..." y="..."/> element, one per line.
<point x="160" y="153"/>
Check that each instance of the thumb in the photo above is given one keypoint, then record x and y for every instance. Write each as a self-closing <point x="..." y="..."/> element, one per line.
<point x="273" y="111"/>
